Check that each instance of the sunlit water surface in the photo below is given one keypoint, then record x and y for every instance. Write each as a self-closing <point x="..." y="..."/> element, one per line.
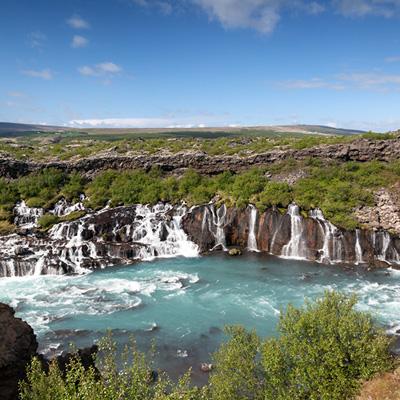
<point x="184" y="303"/>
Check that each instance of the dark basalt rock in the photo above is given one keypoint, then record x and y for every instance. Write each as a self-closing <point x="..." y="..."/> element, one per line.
<point x="273" y="231"/>
<point x="17" y="346"/>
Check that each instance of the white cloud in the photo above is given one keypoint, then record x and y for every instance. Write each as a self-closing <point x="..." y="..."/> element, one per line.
<point x="45" y="74"/>
<point x="36" y="39"/>
<point x="313" y="83"/>
<point x="364" y="81"/>
<point x="262" y="15"/>
<point x="362" y="8"/>
<point x="392" y="59"/>
<point x="123" y="123"/>
<point x="103" y="69"/>
<point x="79" y="41"/>
<point x="16" y="94"/>
<point x="164" y="6"/>
<point x="372" y="80"/>
<point x="169" y="121"/>
<point x="78" y="22"/>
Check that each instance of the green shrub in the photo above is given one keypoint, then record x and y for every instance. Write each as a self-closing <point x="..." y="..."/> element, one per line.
<point x="6" y="228"/>
<point x="238" y="373"/>
<point x="46" y="221"/>
<point x="323" y="351"/>
<point x="38" y="189"/>
<point x="133" y="382"/>
<point x="275" y="194"/>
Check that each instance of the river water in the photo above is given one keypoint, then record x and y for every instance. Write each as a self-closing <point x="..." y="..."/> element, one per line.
<point x="184" y="303"/>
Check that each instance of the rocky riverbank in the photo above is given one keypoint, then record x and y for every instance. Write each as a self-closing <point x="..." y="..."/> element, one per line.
<point x="18" y="345"/>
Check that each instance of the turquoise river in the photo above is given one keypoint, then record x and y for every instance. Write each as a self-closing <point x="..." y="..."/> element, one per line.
<point x="184" y="303"/>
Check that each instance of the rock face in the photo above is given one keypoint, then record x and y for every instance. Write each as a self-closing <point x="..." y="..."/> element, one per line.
<point x="358" y="150"/>
<point x="289" y="235"/>
<point x="384" y="215"/>
<point x="17" y="346"/>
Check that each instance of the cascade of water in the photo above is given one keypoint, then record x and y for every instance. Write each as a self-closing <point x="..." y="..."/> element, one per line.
<point x="63" y="208"/>
<point x="162" y="236"/>
<point x="357" y="249"/>
<point x="39" y="266"/>
<point x="26" y="217"/>
<point x="252" y="240"/>
<point x="332" y="238"/>
<point x="295" y="247"/>
<point x="388" y="252"/>
<point x="218" y="221"/>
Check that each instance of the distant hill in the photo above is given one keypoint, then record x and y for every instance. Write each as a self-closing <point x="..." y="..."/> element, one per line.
<point x="12" y="129"/>
<point x="8" y="129"/>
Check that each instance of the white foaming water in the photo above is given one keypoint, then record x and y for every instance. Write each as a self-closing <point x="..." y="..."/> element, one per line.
<point x="295" y="248"/>
<point x="252" y="240"/>
<point x="357" y="249"/>
<point x="216" y="224"/>
<point x="162" y="238"/>
<point x="63" y="208"/>
<point x="388" y="252"/>
<point x="26" y="217"/>
<point x="332" y="239"/>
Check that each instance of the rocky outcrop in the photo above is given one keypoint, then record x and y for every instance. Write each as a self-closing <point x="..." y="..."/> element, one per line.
<point x="289" y="235"/>
<point x="17" y="346"/>
<point x="385" y="214"/>
<point x="358" y="150"/>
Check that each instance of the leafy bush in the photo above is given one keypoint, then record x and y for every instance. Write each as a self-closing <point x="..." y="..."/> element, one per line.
<point x="46" y="221"/>
<point x="135" y="381"/>
<point x="6" y="228"/>
<point x="38" y="189"/>
<point x="274" y="194"/>
<point x="238" y="371"/>
<point x="323" y="351"/>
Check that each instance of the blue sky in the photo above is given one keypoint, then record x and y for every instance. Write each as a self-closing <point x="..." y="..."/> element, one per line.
<point x="150" y="63"/>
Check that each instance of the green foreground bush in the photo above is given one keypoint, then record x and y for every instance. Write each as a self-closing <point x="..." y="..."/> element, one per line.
<point x="323" y="351"/>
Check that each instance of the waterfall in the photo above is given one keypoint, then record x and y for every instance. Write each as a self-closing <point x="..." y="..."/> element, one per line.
<point x="357" y="249"/>
<point x="218" y="220"/>
<point x="26" y="217"/>
<point x="162" y="237"/>
<point x="388" y="253"/>
<point x="63" y="208"/>
<point x="107" y="237"/>
<point x="332" y="239"/>
<point x="295" y="247"/>
<point x="252" y="241"/>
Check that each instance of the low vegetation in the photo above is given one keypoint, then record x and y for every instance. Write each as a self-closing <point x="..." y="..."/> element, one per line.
<point x="73" y="146"/>
<point x="324" y="351"/>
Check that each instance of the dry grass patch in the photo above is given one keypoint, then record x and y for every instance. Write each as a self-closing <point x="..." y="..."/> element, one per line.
<point x="383" y="387"/>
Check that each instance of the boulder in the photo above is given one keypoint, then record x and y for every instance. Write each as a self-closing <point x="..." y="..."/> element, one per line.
<point x="18" y="345"/>
<point x="235" y="252"/>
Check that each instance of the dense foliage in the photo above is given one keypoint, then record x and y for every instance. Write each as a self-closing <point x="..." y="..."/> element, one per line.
<point x="323" y="352"/>
<point x="336" y="188"/>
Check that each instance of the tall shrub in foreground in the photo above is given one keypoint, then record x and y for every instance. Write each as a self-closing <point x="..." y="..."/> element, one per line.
<point x="323" y="351"/>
